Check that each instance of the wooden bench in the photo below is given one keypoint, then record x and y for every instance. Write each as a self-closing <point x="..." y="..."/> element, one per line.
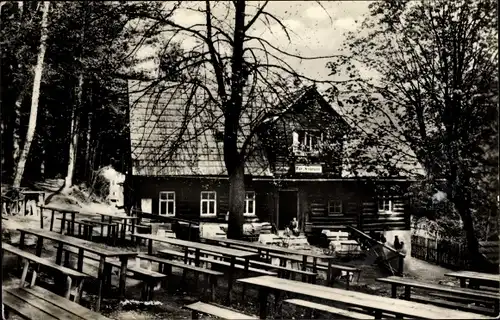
<point x="217" y="311"/>
<point x="328" y="309"/>
<point x="150" y="278"/>
<point x="37" y="303"/>
<point x="112" y="229"/>
<point x="166" y="265"/>
<point x="397" y="281"/>
<point x="69" y="273"/>
<point x="88" y="228"/>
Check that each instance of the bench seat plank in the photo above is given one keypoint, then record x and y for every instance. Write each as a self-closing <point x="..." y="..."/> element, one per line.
<point x="24" y="309"/>
<point x="43" y="305"/>
<point x="42" y="261"/>
<point x="453" y="305"/>
<point x="438" y="287"/>
<point x="68" y="305"/>
<point x="329" y="309"/>
<point x="456" y="298"/>
<point x="218" y="311"/>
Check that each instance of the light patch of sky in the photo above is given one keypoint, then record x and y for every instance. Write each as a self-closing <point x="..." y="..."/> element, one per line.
<point x="315" y="29"/>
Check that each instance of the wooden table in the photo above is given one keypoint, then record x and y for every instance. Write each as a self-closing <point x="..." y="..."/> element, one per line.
<point x="123" y="217"/>
<point x="82" y="245"/>
<point x="471" y="275"/>
<point x="198" y="246"/>
<point x="262" y="248"/>
<point x="267" y="284"/>
<point x="64" y="212"/>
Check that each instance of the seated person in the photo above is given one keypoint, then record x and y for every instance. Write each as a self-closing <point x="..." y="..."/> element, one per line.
<point x="294" y="226"/>
<point x="287" y="232"/>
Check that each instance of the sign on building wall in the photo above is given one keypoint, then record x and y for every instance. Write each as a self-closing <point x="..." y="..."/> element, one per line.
<point x="308" y="169"/>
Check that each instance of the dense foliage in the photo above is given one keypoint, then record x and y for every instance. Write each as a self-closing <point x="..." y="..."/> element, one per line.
<point x="426" y="92"/>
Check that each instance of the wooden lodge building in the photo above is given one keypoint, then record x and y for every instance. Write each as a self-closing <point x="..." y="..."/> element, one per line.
<point x="295" y="169"/>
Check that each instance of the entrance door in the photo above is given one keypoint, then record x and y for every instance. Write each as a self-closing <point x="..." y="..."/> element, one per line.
<point x="287" y="208"/>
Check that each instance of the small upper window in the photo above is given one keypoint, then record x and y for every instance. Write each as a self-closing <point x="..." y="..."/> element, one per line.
<point x="249" y="203"/>
<point x="308" y="140"/>
<point x="208" y="203"/>
<point x="335" y="207"/>
<point x="167" y="203"/>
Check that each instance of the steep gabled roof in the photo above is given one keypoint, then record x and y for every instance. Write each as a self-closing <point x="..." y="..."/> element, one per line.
<point x="175" y="131"/>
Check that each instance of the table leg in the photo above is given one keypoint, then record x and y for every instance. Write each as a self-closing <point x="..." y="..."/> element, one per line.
<point x="41" y="218"/>
<point x="150" y="246"/>
<point x="394" y="290"/>
<point x="67" y="293"/>
<point x="52" y="216"/>
<point x="196" y="263"/>
<point x="197" y="257"/>
<point x="245" y="273"/>
<point x="39" y="246"/>
<point x="59" y="253"/>
<point x="124" y="229"/>
<point x="133" y="230"/>
<point x="304" y="267"/>
<point x="123" y="276"/>
<point x="263" y="293"/>
<point x="21" y="247"/>
<point x="63" y="222"/>
<point x="462" y="283"/>
<point x="79" y="265"/>
<point x="230" y="280"/>
<point x="137" y="259"/>
<point x="72" y="223"/>
<point x="407" y="292"/>
<point x="329" y="273"/>
<point x="100" y="277"/>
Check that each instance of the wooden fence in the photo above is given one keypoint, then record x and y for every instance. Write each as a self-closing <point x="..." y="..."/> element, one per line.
<point x="441" y="252"/>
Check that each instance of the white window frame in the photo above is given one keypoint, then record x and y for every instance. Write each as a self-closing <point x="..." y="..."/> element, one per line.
<point x="335" y="203"/>
<point x="167" y="201"/>
<point x="384" y="201"/>
<point x="214" y="200"/>
<point x="247" y="201"/>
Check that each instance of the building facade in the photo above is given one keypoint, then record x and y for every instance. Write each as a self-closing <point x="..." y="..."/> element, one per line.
<point x="295" y="169"/>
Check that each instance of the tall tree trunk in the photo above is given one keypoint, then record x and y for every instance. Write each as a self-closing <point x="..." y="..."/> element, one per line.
<point x="74" y="130"/>
<point x="236" y="203"/>
<point x="477" y="261"/>
<point x="34" y="97"/>
<point x="16" y="135"/>
<point x="235" y="164"/>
